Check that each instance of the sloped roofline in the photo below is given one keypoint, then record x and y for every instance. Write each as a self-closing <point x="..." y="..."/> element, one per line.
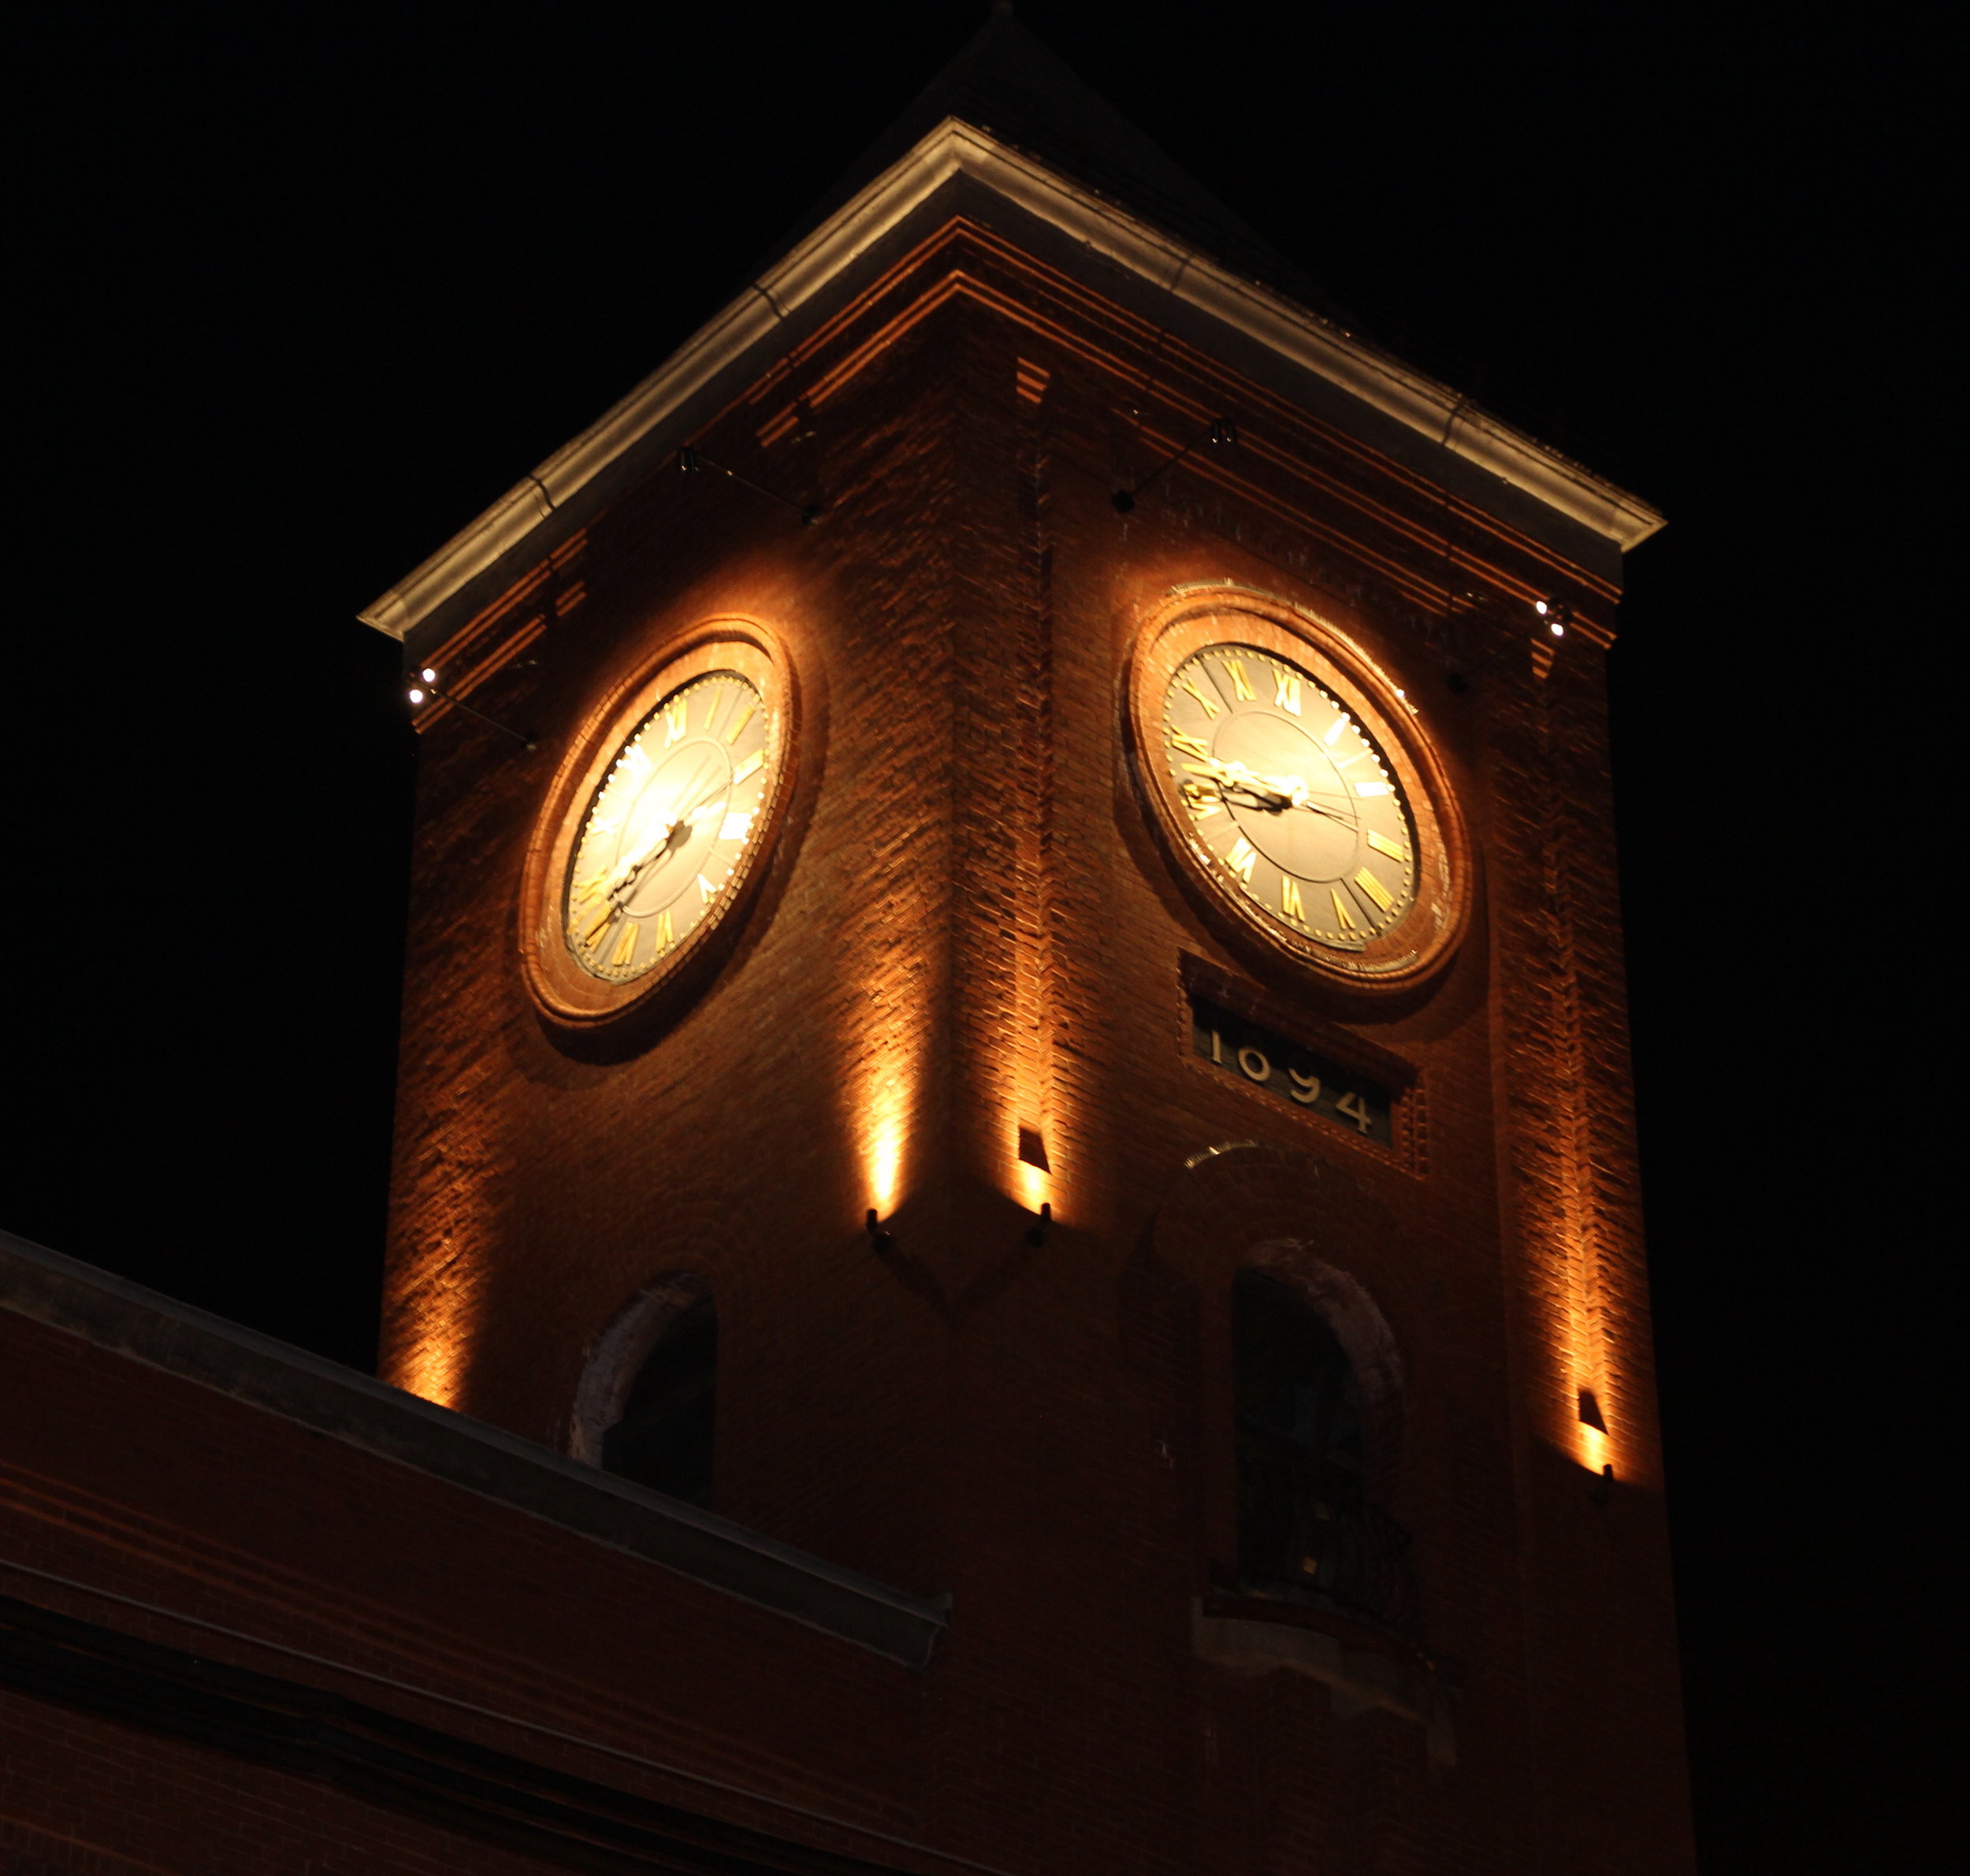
<point x="954" y="151"/>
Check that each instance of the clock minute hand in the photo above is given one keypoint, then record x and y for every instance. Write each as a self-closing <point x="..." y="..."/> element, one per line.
<point x="1333" y="814"/>
<point x="1291" y="791"/>
<point x="1270" y="793"/>
<point x="717" y="782"/>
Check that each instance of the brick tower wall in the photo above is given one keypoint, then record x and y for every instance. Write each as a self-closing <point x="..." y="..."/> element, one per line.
<point x="968" y="929"/>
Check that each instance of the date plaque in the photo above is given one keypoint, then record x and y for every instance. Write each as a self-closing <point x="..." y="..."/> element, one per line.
<point x="1300" y="1077"/>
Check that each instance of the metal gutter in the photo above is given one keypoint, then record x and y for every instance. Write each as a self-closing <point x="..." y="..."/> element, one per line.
<point x="138" y="1323"/>
<point x="957" y="150"/>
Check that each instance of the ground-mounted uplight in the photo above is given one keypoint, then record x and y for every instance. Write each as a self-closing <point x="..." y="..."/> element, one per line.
<point x="1595" y="1436"/>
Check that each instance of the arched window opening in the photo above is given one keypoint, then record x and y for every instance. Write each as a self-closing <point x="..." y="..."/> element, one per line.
<point x="663" y="1436"/>
<point x="1305" y="1529"/>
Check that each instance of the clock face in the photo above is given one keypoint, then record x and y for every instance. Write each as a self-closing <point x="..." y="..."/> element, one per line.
<point x="658" y="830"/>
<point x="1288" y="793"/>
<point x="1296" y="788"/>
<point x="665" y="838"/>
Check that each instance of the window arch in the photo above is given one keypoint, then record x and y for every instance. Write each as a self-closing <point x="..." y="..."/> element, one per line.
<point x="1308" y="1528"/>
<point x="646" y="1406"/>
<point x="664" y="1438"/>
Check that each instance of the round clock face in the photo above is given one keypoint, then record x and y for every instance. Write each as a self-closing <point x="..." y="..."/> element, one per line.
<point x="1297" y="790"/>
<point x="665" y="835"/>
<point x="1287" y="791"/>
<point x="656" y="829"/>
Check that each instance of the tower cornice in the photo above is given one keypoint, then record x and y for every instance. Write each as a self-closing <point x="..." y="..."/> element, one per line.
<point x="788" y="298"/>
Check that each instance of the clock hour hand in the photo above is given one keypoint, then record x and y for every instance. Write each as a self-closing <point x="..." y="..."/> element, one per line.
<point x="1272" y="794"/>
<point x="674" y="835"/>
<point x="614" y="890"/>
<point x="1233" y="778"/>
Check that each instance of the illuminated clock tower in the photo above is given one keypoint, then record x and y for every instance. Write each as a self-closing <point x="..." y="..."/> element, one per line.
<point x="1015" y="986"/>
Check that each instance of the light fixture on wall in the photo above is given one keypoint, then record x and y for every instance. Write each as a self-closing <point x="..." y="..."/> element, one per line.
<point x="879" y="1240"/>
<point x="1554" y="615"/>
<point x="1043" y="1223"/>
<point x="429" y="690"/>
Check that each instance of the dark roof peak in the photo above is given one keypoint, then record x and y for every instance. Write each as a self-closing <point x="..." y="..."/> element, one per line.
<point x="1005" y="82"/>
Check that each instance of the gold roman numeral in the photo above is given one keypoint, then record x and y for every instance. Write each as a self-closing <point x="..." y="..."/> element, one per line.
<point x="664" y="939"/>
<point x="1289" y="901"/>
<point x="677" y="720"/>
<point x="1242" y="858"/>
<point x="1235" y="669"/>
<point x="1189" y="684"/>
<point x="1189" y="745"/>
<point x="1343" y="919"/>
<point x="592" y="937"/>
<point x="750" y="767"/>
<point x="1285" y="690"/>
<point x="707" y="891"/>
<point x="1375" y="889"/>
<point x="1394" y="850"/>
<point x="1334" y="731"/>
<point x="739" y="722"/>
<point x="625" y="945"/>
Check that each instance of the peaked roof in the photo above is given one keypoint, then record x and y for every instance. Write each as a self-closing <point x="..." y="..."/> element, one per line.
<point x="1006" y="127"/>
<point x="1004" y="81"/>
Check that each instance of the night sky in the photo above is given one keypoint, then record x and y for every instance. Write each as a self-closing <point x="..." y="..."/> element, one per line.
<point x="310" y="291"/>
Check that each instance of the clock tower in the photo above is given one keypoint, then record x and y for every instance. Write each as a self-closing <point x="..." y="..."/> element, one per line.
<point x="1015" y="986"/>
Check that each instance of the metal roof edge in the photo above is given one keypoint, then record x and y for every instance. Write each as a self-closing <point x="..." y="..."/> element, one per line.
<point x="956" y="149"/>
<point x="260" y="1371"/>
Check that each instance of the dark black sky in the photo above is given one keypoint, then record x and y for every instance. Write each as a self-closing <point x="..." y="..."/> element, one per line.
<point x="313" y="287"/>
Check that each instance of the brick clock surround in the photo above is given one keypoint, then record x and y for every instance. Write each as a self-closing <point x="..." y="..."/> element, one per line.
<point x="952" y="1103"/>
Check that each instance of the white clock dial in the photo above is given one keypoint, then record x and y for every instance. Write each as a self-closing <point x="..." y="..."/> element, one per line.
<point x="1287" y="793"/>
<point x="664" y="837"/>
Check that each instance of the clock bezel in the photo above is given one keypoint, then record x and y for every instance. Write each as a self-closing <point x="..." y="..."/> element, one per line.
<point x="569" y="997"/>
<point x="1424" y="941"/>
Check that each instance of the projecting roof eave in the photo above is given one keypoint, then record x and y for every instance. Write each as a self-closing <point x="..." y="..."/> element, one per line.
<point x="672" y="399"/>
